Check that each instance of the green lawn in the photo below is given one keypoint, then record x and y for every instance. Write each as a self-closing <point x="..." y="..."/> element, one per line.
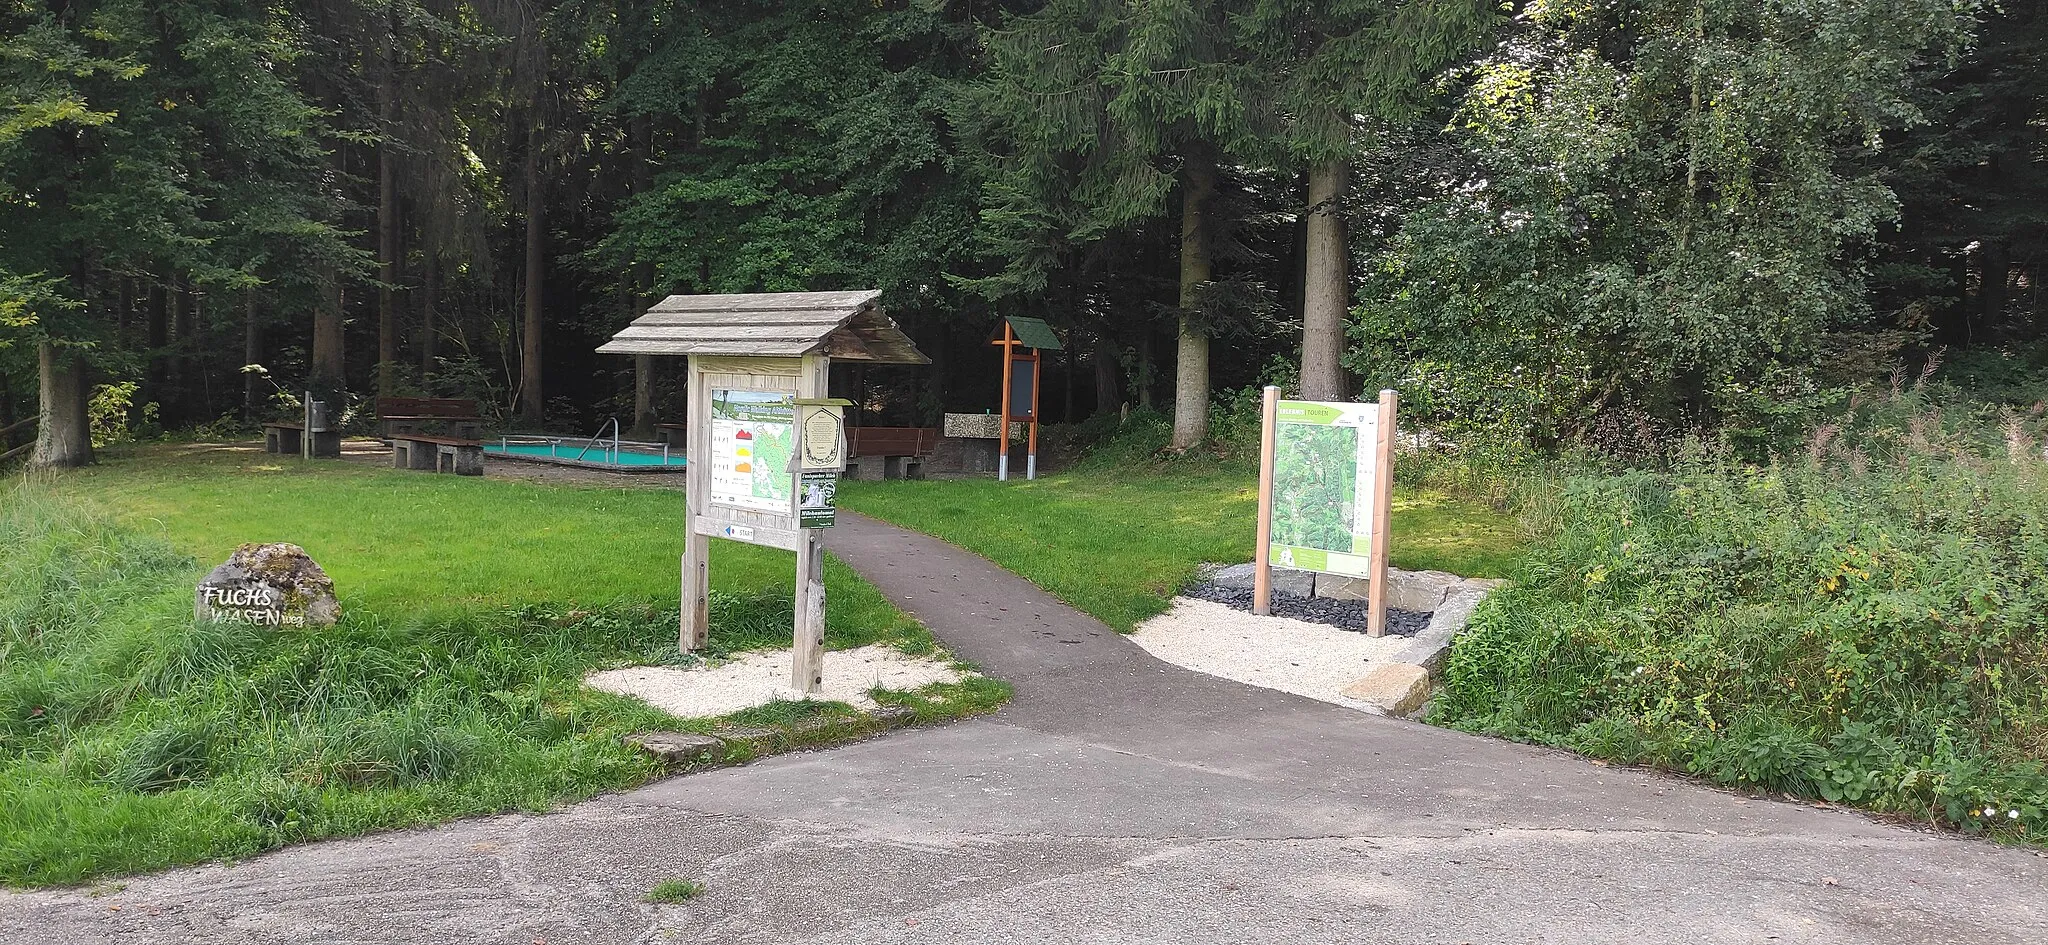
<point x="132" y="739"/>
<point x="1118" y="542"/>
<point x="405" y="544"/>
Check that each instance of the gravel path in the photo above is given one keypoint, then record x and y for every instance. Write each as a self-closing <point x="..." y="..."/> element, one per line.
<point x="1307" y="659"/>
<point x="762" y="677"/>
<point x="1342" y="614"/>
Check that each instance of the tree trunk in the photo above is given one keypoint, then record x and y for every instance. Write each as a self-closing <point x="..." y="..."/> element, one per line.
<point x="177" y="411"/>
<point x="329" y="371"/>
<point x="387" y="247"/>
<point x="63" y="428"/>
<point x="1326" y="293"/>
<point x="1191" y="364"/>
<point x="1995" y="270"/>
<point x="1142" y="378"/>
<point x="531" y="402"/>
<point x="430" y="331"/>
<point x="158" y="377"/>
<point x="1107" y="398"/>
<point x="643" y="396"/>
<point x="252" y="353"/>
<point x="642" y="131"/>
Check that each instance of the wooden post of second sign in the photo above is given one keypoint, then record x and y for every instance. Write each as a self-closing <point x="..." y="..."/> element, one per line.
<point x="1382" y="515"/>
<point x="695" y="628"/>
<point x="1262" y="556"/>
<point x="807" y="656"/>
<point x="1003" y="419"/>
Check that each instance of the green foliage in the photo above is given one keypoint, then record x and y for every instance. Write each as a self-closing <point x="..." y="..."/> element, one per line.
<point x="1860" y="621"/>
<point x="1658" y="210"/>
<point x="675" y="891"/>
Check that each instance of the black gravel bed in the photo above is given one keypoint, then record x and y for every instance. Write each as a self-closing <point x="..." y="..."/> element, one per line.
<point x="1342" y="614"/>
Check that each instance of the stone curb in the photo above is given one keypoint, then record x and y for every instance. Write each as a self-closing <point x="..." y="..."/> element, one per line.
<point x="736" y="744"/>
<point x="1401" y="686"/>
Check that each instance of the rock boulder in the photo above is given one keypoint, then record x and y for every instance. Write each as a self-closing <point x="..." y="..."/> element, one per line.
<point x="275" y="585"/>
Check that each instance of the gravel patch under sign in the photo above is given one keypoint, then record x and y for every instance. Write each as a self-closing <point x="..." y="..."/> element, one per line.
<point x="1342" y="614"/>
<point x="761" y="677"/>
<point x="1307" y="659"/>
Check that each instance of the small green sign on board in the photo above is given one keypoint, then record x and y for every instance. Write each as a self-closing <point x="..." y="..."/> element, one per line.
<point x="817" y="506"/>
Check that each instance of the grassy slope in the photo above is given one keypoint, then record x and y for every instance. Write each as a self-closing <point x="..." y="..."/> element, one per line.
<point x="1118" y="541"/>
<point x="131" y="739"/>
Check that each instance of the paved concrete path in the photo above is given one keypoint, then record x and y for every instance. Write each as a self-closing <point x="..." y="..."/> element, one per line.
<point x="1118" y="799"/>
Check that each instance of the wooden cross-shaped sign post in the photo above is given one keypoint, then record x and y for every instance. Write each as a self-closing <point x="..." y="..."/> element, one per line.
<point x="765" y="443"/>
<point x="1022" y="339"/>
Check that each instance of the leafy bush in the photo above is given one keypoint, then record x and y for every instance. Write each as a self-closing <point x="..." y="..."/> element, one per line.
<point x="1865" y="621"/>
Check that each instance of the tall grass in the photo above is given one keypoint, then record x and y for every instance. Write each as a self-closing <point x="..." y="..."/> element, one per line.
<point x="132" y="737"/>
<point x="1863" y="619"/>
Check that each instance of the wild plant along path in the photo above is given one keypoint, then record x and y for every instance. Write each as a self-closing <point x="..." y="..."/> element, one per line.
<point x="1117" y="799"/>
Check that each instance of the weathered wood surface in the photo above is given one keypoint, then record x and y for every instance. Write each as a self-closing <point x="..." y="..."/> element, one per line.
<point x="846" y="325"/>
<point x="767" y="301"/>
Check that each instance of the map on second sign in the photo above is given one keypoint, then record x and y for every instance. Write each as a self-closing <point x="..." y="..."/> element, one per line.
<point x="752" y="440"/>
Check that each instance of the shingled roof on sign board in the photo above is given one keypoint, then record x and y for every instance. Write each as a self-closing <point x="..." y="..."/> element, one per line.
<point x="847" y="326"/>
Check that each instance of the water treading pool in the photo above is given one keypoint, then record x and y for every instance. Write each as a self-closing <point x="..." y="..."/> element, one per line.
<point x="634" y="457"/>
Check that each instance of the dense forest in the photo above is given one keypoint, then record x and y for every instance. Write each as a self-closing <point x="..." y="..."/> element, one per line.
<point x="1550" y="218"/>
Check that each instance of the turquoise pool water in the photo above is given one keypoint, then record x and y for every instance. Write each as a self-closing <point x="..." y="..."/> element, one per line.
<point x="600" y="455"/>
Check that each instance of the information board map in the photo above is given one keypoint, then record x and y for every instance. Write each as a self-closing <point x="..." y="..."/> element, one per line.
<point x="1325" y="456"/>
<point x="752" y="441"/>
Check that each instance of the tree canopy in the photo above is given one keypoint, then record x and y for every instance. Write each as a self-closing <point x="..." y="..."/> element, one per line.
<point x="1534" y="219"/>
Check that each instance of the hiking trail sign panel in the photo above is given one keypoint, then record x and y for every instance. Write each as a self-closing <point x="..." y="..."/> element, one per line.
<point x="1326" y="463"/>
<point x="752" y="440"/>
<point x="1326" y="487"/>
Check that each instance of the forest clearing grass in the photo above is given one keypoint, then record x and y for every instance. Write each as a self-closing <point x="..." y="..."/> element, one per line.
<point x="132" y="739"/>
<point x="1118" y="540"/>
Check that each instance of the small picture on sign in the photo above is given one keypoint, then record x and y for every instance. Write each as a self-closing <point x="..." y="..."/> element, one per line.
<point x="817" y="508"/>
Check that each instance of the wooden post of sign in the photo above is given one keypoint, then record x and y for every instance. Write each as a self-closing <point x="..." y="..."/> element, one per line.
<point x="695" y="628"/>
<point x="1003" y="419"/>
<point x="1262" y="555"/>
<point x="306" y="427"/>
<point x="1382" y="515"/>
<point x="807" y="655"/>
<point x="1031" y="446"/>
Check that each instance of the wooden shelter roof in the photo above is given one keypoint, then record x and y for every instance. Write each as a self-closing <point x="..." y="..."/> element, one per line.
<point x="845" y="325"/>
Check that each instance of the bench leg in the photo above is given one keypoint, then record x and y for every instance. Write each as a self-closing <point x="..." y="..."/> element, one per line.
<point x="896" y="467"/>
<point x="421" y="456"/>
<point x="327" y="444"/>
<point x="399" y="449"/>
<point x="469" y="460"/>
<point x="270" y="441"/>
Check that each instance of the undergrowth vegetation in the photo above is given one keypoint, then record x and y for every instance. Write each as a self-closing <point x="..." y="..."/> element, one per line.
<point x="1862" y="620"/>
<point x="133" y="738"/>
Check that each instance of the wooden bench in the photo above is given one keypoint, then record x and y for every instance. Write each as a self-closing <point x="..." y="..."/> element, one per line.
<point x="456" y="455"/>
<point x="285" y="437"/>
<point x="888" y="452"/>
<point x="453" y="415"/>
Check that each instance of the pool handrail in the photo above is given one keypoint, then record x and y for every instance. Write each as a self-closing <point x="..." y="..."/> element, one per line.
<point x="614" y="424"/>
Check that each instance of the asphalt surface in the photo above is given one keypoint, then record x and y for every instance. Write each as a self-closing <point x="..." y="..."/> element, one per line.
<point x="1117" y="799"/>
